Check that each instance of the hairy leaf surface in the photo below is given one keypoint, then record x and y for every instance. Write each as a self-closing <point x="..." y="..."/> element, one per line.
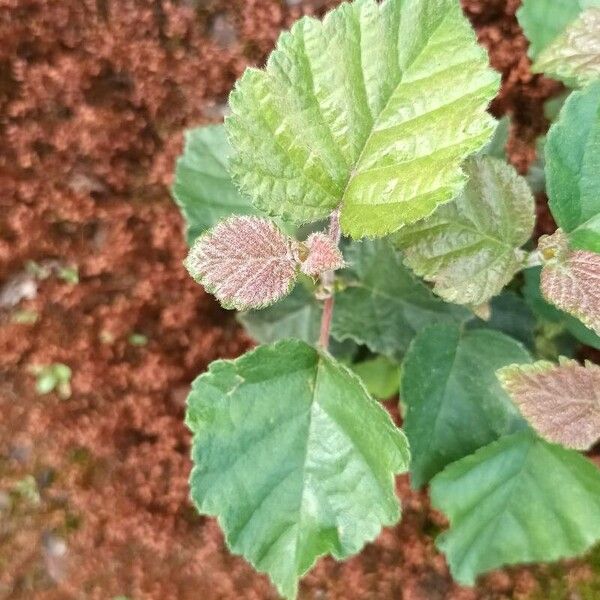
<point x="203" y="187"/>
<point x="323" y="255"/>
<point x="574" y="56"/>
<point x="293" y="457"/>
<point x="454" y="402"/>
<point x="246" y="262"/>
<point x="373" y="109"/>
<point x="543" y="20"/>
<point x="572" y="167"/>
<point x="383" y="304"/>
<point x="561" y="401"/>
<point x="571" y="280"/>
<point x="548" y="312"/>
<point x="469" y="247"/>
<point x="520" y="499"/>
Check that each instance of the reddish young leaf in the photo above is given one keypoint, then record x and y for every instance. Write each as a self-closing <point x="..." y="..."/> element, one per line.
<point x="323" y="255"/>
<point x="246" y="262"/>
<point x="571" y="279"/>
<point x="562" y="402"/>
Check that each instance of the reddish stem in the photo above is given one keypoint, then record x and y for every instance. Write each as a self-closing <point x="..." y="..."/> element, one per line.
<point x="327" y="280"/>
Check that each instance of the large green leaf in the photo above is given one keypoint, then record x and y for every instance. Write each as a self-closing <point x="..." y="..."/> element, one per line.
<point x="293" y="457"/>
<point x="572" y="167"/>
<point x="454" y="401"/>
<point x="203" y="187"/>
<point x="520" y="499"/>
<point x="543" y="20"/>
<point x="374" y="108"/>
<point x="383" y="304"/>
<point x="574" y="56"/>
<point x="469" y="247"/>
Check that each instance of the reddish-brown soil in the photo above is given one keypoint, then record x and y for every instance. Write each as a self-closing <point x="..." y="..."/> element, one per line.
<point x="94" y="97"/>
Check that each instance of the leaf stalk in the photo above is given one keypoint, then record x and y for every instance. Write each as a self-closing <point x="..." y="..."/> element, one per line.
<point x="327" y="280"/>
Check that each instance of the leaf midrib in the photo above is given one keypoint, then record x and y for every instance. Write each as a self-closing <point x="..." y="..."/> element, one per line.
<point x="314" y="401"/>
<point x="402" y="71"/>
<point x="498" y="515"/>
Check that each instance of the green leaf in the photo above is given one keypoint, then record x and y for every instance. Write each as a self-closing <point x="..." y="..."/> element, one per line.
<point x="543" y="20"/>
<point x="384" y="305"/>
<point x="203" y="187"/>
<point x="46" y="382"/>
<point x="574" y="56"/>
<point x="536" y="175"/>
<point x="572" y="164"/>
<point x="520" y="499"/>
<point x="380" y="375"/>
<point x="545" y="310"/>
<point x="293" y="457"/>
<point x="373" y="109"/>
<point x="296" y="316"/>
<point x="455" y="404"/>
<point x="510" y="315"/>
<point x="469" y="248"/>
<point x="496" y="147"/>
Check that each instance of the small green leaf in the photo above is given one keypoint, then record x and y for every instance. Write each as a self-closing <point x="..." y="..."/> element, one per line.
<point x="553" y="106"/>
<point x="380" y="375"/>
<point x="383" y="304"/>
<point x="510" y="315"/>
<point x="293" y="457"/>
<point x="55" y="376"/>
<point x="574" y="56"/>
<point x="373" y="109"/>
<point x="137" y="339"/>
<point x="546" y="311"/>
<point x="296" y="316"/>
<point x="203" y="187"/>
<point x="518" y="500"/>
<point x="536" y="176"/>
<point x="69" y="274"/>
<point x="544" y="20"/>
<point x="27" y="488"/>
<point x="454" y="402"/>
<point x="45" y="383"/>
<point x="572" y="163"/>
<point x="496" y="147"/>
<point x="469" y="248"/>
<point x="25" y="317"/>
<point x="61" y="372"/>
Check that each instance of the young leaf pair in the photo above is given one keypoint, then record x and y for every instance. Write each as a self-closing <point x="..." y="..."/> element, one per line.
<point x="247" y="262"/>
